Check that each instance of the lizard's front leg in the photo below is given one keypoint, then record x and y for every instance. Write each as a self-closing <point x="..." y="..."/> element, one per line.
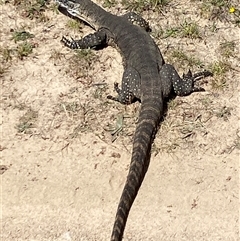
<point x="99" y="38"/>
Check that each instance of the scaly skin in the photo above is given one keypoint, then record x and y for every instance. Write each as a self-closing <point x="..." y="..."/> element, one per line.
<point x="146" y="77"/>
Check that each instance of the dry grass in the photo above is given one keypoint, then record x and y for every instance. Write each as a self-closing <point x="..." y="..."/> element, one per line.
<point x="66" y="148"/>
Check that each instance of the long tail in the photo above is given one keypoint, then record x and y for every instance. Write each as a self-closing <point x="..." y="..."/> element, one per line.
<point x="149" y="118"/>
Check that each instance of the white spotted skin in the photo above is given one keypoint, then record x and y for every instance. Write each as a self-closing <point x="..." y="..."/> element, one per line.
<point x="172" y="82"/>
<point x="89" y="41"/>
<point x="130" y="87"/>
<point x="170" y="79"/>
<point x="136" y="19"/>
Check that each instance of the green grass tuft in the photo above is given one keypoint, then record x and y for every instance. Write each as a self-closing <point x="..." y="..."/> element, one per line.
<point x="144" y="5"/>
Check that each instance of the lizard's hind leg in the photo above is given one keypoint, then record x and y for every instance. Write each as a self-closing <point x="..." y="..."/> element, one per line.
<point x="130" y="87"/>
<point x="193" y="78"/>
<point x="181" y="86"/>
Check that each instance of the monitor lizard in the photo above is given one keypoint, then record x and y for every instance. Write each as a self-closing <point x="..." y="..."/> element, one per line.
<point x="146" y="78"/>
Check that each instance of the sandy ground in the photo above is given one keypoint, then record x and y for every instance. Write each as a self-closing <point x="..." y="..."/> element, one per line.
<point x="61" y="173"/>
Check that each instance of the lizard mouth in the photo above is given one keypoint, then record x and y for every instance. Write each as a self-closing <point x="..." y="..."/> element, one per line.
<point x="71" y="8"/>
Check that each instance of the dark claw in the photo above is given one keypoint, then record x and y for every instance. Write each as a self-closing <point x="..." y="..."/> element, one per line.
<point x="65" y="41"/>
<point x="201" y="75"/>
<point x="110" y="97"/>
<point x="198" y="89"/>
<point x="188" y="75"/>
<point x="69" y="43"/>
<point x="116" y="88"/>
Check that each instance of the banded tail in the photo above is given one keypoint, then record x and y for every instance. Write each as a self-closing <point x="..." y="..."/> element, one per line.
<point x="149" y="118"/>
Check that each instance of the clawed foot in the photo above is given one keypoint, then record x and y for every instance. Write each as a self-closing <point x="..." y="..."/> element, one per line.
<point x="65" y="41"/>
<point x="194" y="78"/>
<point x="201" y="75"/>
<point x="72" y="44"/>
<point x="197" y="76"/>
<point x="124" y="97"/>
<point x="110" y="97"/>
<point x="187" y="85"/>
<point x="116" y="88"/>
<point x="118" y="98"/>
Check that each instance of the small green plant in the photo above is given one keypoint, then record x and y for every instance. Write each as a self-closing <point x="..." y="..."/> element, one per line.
<point x="184" y="59"/>
<point x="143" y="5"/>
<point x="227" y="49"/>
<point x="109" y="3"/>
<point x="172" y="104"/>
<point x="221" y="10"/>
<point x="218" y="3"/>
<point x="224" y="113"/>
<point x="70" y="107"/>
<point x="2" y="70"/>
<point x="6" y="54"/>
<point x="171" y="32"/>
<point x="219" y="70"/>
<point x="21" y="35"/>
<point x="189" y="128"/>
<point x="33" y="8"/>
<point x="205" y="9"/>
<point x="85" y="54"/>
<point x="158" y="33"/>
<point x="117" y="128"/>
<point x="74" y="25"/>
<point x="189" y="30"/>
<point x="219" y="83"/>
<point x="27" y="121"/>
<point x="82" y="127"/>
<point x="236" y="15"/>
<point x="24" y="49"/>
<point x="100" y="90"/>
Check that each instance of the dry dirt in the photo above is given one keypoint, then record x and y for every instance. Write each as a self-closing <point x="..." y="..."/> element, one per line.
<point x="61" y="173"/>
